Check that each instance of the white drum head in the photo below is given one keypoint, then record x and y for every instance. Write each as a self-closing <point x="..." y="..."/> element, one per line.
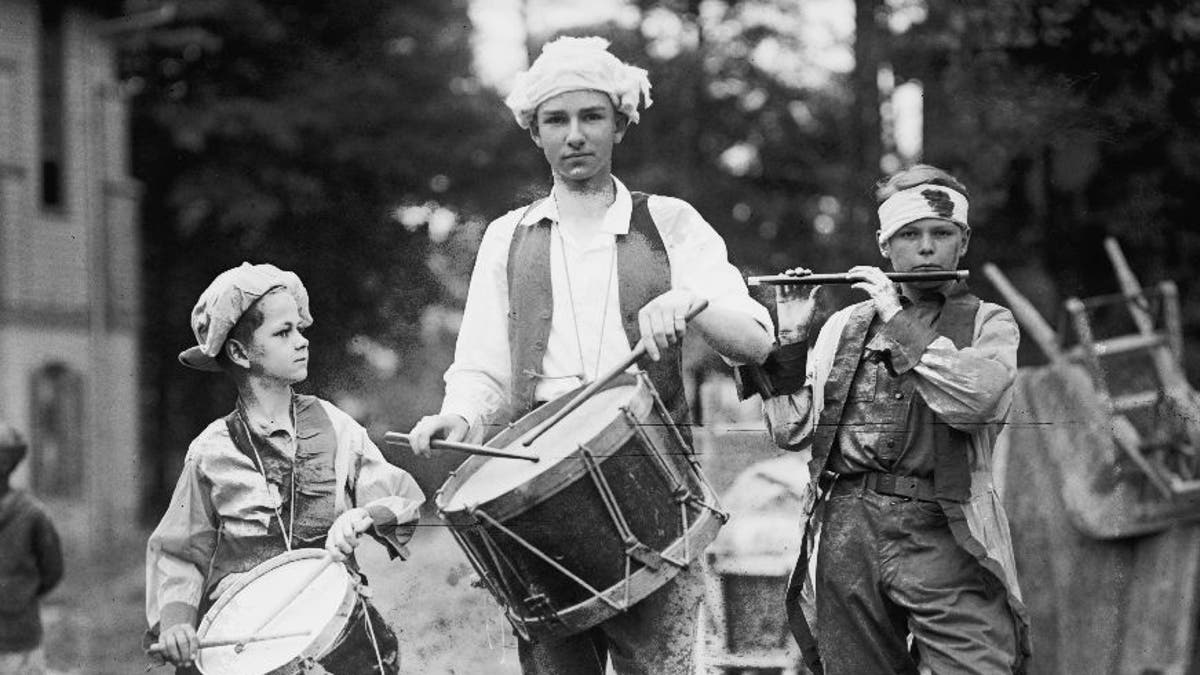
<point x="235" y="616"/>
<point x="498" y="476"/>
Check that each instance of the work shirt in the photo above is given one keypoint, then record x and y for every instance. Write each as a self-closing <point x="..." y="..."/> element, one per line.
<point x="586" y="334"/>
<point x="222" y="498"/>
<point x="880" y="430"/>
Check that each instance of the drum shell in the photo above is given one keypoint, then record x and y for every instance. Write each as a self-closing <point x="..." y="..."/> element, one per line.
<point x="562" y="514"/>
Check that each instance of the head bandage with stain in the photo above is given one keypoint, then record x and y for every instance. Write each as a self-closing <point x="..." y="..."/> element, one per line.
<point x="920" y="202"/>
<point x="571" y="64"/>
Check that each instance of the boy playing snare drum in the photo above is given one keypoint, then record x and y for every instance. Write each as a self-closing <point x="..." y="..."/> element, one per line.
<point x="562" y="291"/>
<point x="280" y="472"/>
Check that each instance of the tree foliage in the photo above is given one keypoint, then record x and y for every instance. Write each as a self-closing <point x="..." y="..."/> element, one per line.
<point x="333" y="138"/>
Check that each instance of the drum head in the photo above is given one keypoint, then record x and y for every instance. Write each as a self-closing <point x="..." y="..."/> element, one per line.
<point x="498" y="476"/>
<point x="319" y="610"/>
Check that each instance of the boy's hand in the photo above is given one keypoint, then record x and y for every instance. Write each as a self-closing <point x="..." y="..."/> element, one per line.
<point x="344" y="533"/>
<point x="795" y="305"/>
<point x="446" y="427"/>
<point x="180" y="644"/>
<point x="881" y="289"/>
<point x="663" y="322"/>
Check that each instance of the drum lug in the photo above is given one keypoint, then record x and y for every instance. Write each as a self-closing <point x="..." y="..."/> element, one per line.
<point x="643" y="554"/>
<point x="539" y="606"/>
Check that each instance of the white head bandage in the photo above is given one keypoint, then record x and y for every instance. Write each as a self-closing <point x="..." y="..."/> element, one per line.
<point x="919" y="202"/>
<point x="570" y="64"/>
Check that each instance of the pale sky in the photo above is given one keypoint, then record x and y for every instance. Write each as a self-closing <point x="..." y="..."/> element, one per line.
<point x="824" y="26"/>
<point x="824" y="30"/>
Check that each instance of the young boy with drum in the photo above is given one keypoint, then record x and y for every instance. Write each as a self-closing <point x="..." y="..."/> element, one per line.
<point x="561" y="292"/>
<point x="283" y="471"/>
<point x="898" y="401"/>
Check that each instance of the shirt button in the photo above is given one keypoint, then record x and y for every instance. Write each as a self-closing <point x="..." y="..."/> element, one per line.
<point x="891" y="443"/>
<point x="899" y="396"/>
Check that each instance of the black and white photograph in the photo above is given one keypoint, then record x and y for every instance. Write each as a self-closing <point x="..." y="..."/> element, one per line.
<point x="599" y="337"/>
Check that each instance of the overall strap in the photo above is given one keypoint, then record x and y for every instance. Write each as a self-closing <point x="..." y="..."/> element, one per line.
<point x="952" y="468"/>
<point x="837" y="386"/>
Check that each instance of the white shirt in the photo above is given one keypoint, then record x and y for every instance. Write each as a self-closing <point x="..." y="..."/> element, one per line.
<point x="587" y="313"/>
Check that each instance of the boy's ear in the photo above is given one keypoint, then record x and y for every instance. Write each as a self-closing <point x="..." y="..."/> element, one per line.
<point x="237" y="353"/>
<point x="533" y="133"/>
<point x="622" y="125"/>
<point x="884" y="249"/>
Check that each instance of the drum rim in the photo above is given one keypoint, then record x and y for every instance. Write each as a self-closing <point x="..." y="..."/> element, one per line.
<point x="322" y="640"/>
<point x="546" y="484"/>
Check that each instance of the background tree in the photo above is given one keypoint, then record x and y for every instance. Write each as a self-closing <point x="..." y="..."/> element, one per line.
<point x="291" y="132"/>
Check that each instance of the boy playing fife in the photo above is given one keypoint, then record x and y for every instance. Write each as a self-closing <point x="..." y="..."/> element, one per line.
<point x="898" y="401"/>
<point x="280" y="472"/>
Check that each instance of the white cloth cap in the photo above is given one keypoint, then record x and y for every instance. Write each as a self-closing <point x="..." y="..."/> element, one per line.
<point x="226" y="299"/>
<point x="920" y="202"/>
<point x="571" y="64"/>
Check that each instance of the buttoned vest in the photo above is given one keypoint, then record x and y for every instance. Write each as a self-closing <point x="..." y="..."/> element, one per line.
<point x="643" y="273"/>
<point x="952" y="476"/>
<point x="312" y="511"/>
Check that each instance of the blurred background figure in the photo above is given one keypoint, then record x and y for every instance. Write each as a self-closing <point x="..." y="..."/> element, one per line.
<point x="31" y="564"/>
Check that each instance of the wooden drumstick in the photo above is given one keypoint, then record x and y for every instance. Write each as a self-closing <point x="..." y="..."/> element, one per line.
<point x="158" y="647"/>
<point x="282" y="603"/>
<point x="638" y="352"/>
<point x="396" y="438"/>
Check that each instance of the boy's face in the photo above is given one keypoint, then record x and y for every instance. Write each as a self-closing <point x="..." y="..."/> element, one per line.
<point x="576" y="131"/>
<point x="277" y="350"/>
<point x="926" y="245"/>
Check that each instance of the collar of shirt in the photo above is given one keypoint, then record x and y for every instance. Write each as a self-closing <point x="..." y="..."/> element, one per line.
<point x="270" y="429"/>
<point x="616" y="219"/>
<point x="939" y="295"/>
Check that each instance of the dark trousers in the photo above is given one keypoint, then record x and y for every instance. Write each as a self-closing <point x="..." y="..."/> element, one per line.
<point x="656" y="636"/>
<point x="888" y="568"/>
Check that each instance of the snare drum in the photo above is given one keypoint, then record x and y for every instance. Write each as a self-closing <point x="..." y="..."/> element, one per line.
<point x="614" y="509"/>
<point x="338" y="623"/>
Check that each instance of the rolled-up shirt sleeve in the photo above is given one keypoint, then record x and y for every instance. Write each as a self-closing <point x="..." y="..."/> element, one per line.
<point x="477" y="383"/>
<point x="700" y="260"/>
<point x="964" y="387"/>
<point x="181" y="547"/>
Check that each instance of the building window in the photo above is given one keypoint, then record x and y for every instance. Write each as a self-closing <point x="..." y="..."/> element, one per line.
<point x="56" y="439"/>
<point x="51" y="96"/>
